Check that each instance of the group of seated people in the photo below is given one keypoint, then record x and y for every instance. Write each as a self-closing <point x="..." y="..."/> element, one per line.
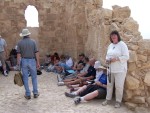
<point x="86" y="78"/>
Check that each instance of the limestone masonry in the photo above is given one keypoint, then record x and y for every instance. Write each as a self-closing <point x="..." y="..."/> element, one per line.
<point x="74" y="26"/>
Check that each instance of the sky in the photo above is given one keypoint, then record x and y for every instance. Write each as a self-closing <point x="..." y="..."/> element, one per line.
<point x="139" y="11"/>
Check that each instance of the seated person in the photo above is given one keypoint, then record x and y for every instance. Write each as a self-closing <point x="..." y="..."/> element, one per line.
<point x="54" y="57"/>
<point x="99" y="72"/>
<point x="62" y="67"/>
<point x="13" y="57"/>
<point x="74" y="75"/>
<point x="89" y="92"/>
<point x="81" y="70"/>
<point x="52" y="67"/>
<point x="47" y="59"/>
<point x="80" y="60"/>
<point x="69" y="61"/>
<point x="87" y="76"/>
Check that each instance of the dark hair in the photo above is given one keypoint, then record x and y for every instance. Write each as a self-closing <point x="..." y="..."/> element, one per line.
<point x="115" y="33"/>
<point x="82" y="54"/>
<point x="26" y="36"/>
<point x="86" y="59"/>
<point x="56" y="54"/>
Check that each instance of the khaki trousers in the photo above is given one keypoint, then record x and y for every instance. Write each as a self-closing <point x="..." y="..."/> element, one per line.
<point x="118" y="79"/>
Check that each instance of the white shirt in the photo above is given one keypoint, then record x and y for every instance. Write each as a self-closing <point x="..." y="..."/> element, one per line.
<point x="119" y="50"/>
<point x="69" y="62"/>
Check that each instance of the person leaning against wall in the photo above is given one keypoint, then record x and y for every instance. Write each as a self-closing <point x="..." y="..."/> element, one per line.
<point x="28" y="59"/>
<point x="3" y="54"/>
<point x="117" y="56"/>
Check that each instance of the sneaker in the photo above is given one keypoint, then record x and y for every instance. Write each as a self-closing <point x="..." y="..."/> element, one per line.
<point x="77" y="100"/>
<point x="70" y="95"/>
<point x="27" y="97"/>
<point x="5" y="73"/>
<point x="60" y="83"/>
<point x="106" y="102"/>
<point x="117" y="105"/>
<point x="36" y="95"/>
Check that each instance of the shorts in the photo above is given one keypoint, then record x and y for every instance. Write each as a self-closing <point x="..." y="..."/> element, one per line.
<point x="2" y="58"/>
<point x="101" y="93"/>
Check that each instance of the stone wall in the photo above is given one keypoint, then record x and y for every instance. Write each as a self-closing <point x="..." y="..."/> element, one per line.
<point x="62" y="24"/>
<point x="74" y="26"/>
<point x="100" y="23"/>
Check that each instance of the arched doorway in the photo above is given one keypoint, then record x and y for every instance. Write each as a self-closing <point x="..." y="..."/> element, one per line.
<point x="32" y="21"/>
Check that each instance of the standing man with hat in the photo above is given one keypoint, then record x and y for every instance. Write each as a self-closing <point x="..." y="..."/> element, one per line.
<point x="3" y="54"/>
<point x="28" y="59"/>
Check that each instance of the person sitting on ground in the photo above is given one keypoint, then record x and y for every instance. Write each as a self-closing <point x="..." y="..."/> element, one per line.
<point x="54" y="57"/>
<point x="74" y="75"/>
<point x="99" y="72"/>
<point x="89" y="92"/>
<point x="90" y="75"/>
<point x="53" y="65"/>
<point x="47" y="59"/>
<point x="83" y="70"/>
<point x="80" y="60"/>
<point x="13" y="56"/>
<point x="69" y="61"/>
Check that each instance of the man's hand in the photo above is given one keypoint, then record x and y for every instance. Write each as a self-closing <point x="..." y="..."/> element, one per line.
<point x="38" y="65"/>
<point x="98" y="83"/>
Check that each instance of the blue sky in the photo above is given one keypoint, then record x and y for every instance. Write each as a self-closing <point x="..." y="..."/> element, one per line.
<point x="139" y="11"/>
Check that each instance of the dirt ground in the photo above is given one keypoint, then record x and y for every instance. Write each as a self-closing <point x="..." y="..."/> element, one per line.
<point x="51" y="99"/>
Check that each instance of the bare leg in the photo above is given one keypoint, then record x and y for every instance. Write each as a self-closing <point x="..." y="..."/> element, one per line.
<point x="91" y="95"/>
<point x="77" y="81"/>
<point x="81" y="89"/>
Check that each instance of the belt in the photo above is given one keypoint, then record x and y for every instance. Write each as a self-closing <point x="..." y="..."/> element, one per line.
<point x="28" y="57"/>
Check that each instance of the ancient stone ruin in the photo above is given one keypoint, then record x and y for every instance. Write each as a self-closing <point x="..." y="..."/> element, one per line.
<point x="74" y="26"/>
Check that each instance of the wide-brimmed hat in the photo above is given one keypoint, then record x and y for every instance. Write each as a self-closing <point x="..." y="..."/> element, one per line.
<point x="102" y="67"/>
<point x="25" y="32"/>
<point x="97" y="64"/>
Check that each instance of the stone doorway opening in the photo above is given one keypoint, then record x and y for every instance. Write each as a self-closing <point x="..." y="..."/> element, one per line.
<point x="32" y="21"/>
<point x="31" y="16"/>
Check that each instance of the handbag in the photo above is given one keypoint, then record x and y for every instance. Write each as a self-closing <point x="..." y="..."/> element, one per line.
<point x="18" y="79"/>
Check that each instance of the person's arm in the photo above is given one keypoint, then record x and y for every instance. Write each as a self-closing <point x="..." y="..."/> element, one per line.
<point x="18" y="59"/>
<point x="81" y="74"/>
<point x="100" y="84"/>
<point x="37" y="60"/>
<point x="125" y="53"/>
<point x="5" y="49"/>
<point x="18" y="54"/>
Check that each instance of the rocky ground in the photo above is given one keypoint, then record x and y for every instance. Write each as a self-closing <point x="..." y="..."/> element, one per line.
<point x="51" y="99"/>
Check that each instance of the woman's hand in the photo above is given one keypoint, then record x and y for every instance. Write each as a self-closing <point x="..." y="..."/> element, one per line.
<point x="114" y="59"/>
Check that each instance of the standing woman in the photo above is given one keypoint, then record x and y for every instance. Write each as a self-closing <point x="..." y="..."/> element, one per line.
<point x="117" y="56"/>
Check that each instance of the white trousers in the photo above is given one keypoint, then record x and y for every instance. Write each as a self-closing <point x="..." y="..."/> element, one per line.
<point x="118" y="79"/>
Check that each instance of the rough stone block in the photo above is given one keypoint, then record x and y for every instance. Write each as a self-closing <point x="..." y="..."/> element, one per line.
<point x="130" y="105"/>
<point x="132" y="83"/>
<point x="147" y="78"/>
<point x="133" y="56"/>
<point x="138" y="100"/>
